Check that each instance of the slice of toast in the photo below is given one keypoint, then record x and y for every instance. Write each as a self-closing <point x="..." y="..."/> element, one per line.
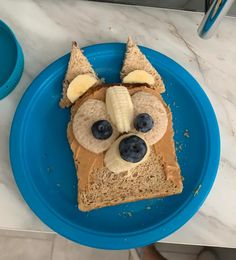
<point x="78" y="64"/>
<point x="158" y="176"/>
<point x="136" y="60"/>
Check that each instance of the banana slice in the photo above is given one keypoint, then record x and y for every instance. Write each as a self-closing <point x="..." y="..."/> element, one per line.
<point x="148" y="103"/>
<point x="120" y="107"/>
<point x="113" y="160"/>
<point x="79" y="86"/>
<point x="87" y="114"/>
<point x="139" y="76"/>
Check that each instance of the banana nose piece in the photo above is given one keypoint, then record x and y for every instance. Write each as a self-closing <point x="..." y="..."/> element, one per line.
<point x="120" y="108"/>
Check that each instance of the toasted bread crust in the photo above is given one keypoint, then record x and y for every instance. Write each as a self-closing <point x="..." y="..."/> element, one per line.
<point x="78" y="64"/>
<point x="98" y="187"/>
<point x="136" y="60"/>
<point x="159" y="176"/>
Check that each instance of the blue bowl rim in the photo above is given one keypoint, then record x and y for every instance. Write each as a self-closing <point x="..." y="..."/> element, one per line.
<point x="16" y="73"/>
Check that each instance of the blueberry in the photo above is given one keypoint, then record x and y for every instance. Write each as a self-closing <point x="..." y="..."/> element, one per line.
<point x="102" y="129"/>
<point x="143" y="122"/>
<point x="132" y="149"/>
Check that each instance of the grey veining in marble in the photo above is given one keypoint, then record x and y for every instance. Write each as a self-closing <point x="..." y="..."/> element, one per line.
<point x="45" y="30"/>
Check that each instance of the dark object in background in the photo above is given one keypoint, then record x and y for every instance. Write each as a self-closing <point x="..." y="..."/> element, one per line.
<point x="187" y="5"/>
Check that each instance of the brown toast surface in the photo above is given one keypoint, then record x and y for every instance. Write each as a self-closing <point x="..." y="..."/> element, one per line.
<point x="78" y="65"/>
<point x="158" y="176"/>
<point x="136" y="60"/>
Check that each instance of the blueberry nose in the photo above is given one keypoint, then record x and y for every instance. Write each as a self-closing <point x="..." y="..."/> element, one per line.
<point x="132" y="148"/>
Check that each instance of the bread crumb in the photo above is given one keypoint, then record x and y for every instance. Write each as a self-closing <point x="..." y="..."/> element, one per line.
<point x="148" y="208"/>
<point x="182" y="177"/>
<point x="197" y="189"/>
<point x="179" y="147"/>
<point x="174" y="105"/>
<point x="58" y="185"/>
<point x="186" y="133"/>
<point x="49" y="170"/>
<point x="126" y="214"/>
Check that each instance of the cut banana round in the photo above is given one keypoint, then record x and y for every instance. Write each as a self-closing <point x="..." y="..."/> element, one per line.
<point x="148" y="103"/>
<point x="113" y="160"/>
<point x="120" y="108"/>
<point x="139" y="76"/>
<point x="79" y="86"/>
<point x="87" y="114"/>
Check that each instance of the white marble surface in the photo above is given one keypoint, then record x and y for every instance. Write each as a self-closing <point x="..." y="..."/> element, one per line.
<point x="45" y="29"/>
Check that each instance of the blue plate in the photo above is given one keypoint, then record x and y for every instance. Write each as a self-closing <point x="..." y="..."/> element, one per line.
<point x="45" y="174"/>
<point x="11" y="60"/>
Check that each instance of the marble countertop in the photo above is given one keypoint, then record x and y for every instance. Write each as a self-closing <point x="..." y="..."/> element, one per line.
<point x="45" y="30"/>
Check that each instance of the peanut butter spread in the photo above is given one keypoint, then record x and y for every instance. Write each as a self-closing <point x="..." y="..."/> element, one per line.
<point x="87" y="161"/>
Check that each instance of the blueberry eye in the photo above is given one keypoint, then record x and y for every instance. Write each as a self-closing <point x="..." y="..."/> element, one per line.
<point x="143" y="122"/>
<point x="102" y="129"/>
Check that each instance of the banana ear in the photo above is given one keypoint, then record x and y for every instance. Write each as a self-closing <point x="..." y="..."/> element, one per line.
<point x="135" y="60"/>
<point x="78" y="65"/>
